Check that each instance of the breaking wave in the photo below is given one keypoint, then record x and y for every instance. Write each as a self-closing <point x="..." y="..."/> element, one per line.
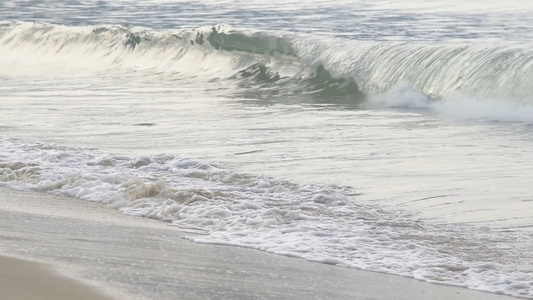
<point x="269" y="62"/>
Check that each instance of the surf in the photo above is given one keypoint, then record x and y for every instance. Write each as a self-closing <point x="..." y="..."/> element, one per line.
<point x="273" y="62"/>
<point x="321" y="223"/>
<point x="458" y="81"/>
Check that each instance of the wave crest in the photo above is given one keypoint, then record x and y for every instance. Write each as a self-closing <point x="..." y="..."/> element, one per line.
<point x="275" y="62"/>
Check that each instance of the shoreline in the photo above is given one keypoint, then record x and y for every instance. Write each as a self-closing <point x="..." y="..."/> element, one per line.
<point x="140" y="258"/>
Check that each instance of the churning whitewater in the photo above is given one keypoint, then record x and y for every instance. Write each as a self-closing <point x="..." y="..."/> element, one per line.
<point x="381" y="136"/>
<point x="318" y="223"/>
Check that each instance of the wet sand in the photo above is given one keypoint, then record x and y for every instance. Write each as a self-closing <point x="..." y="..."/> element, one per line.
<point x="28" y="280"/>
<point x="139" y="258"/>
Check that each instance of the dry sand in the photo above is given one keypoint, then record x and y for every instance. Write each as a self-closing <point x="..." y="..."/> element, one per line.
<point x="139" y="258"/>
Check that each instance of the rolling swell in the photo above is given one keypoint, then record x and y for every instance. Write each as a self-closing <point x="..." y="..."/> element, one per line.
<point x="268" y="64"/>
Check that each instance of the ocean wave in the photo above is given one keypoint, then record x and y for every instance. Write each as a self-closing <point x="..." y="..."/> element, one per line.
<point x="267" y="63"/>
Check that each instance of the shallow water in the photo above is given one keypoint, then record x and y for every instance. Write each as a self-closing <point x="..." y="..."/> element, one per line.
<point x="358" y="136"/>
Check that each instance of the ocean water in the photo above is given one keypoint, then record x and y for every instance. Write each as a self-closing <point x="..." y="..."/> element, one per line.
<point x="390" y="137"/>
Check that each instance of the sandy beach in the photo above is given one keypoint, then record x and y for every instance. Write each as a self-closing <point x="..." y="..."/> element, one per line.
<point x="90" y="251"/>
<point x="23" y="279"/>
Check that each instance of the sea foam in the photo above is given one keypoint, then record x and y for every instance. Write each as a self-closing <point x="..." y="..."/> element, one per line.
<point x="322" y="223"/>
<point x="456" y="107"/>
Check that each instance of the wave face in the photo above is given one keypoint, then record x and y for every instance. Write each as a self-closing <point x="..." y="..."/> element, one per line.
<point x="320" y="223"/>
<point x="270" y="63"/>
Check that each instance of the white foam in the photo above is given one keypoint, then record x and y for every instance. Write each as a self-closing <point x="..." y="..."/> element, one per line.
<point x="318" y="223"/>
<point x="402" y="96"/>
